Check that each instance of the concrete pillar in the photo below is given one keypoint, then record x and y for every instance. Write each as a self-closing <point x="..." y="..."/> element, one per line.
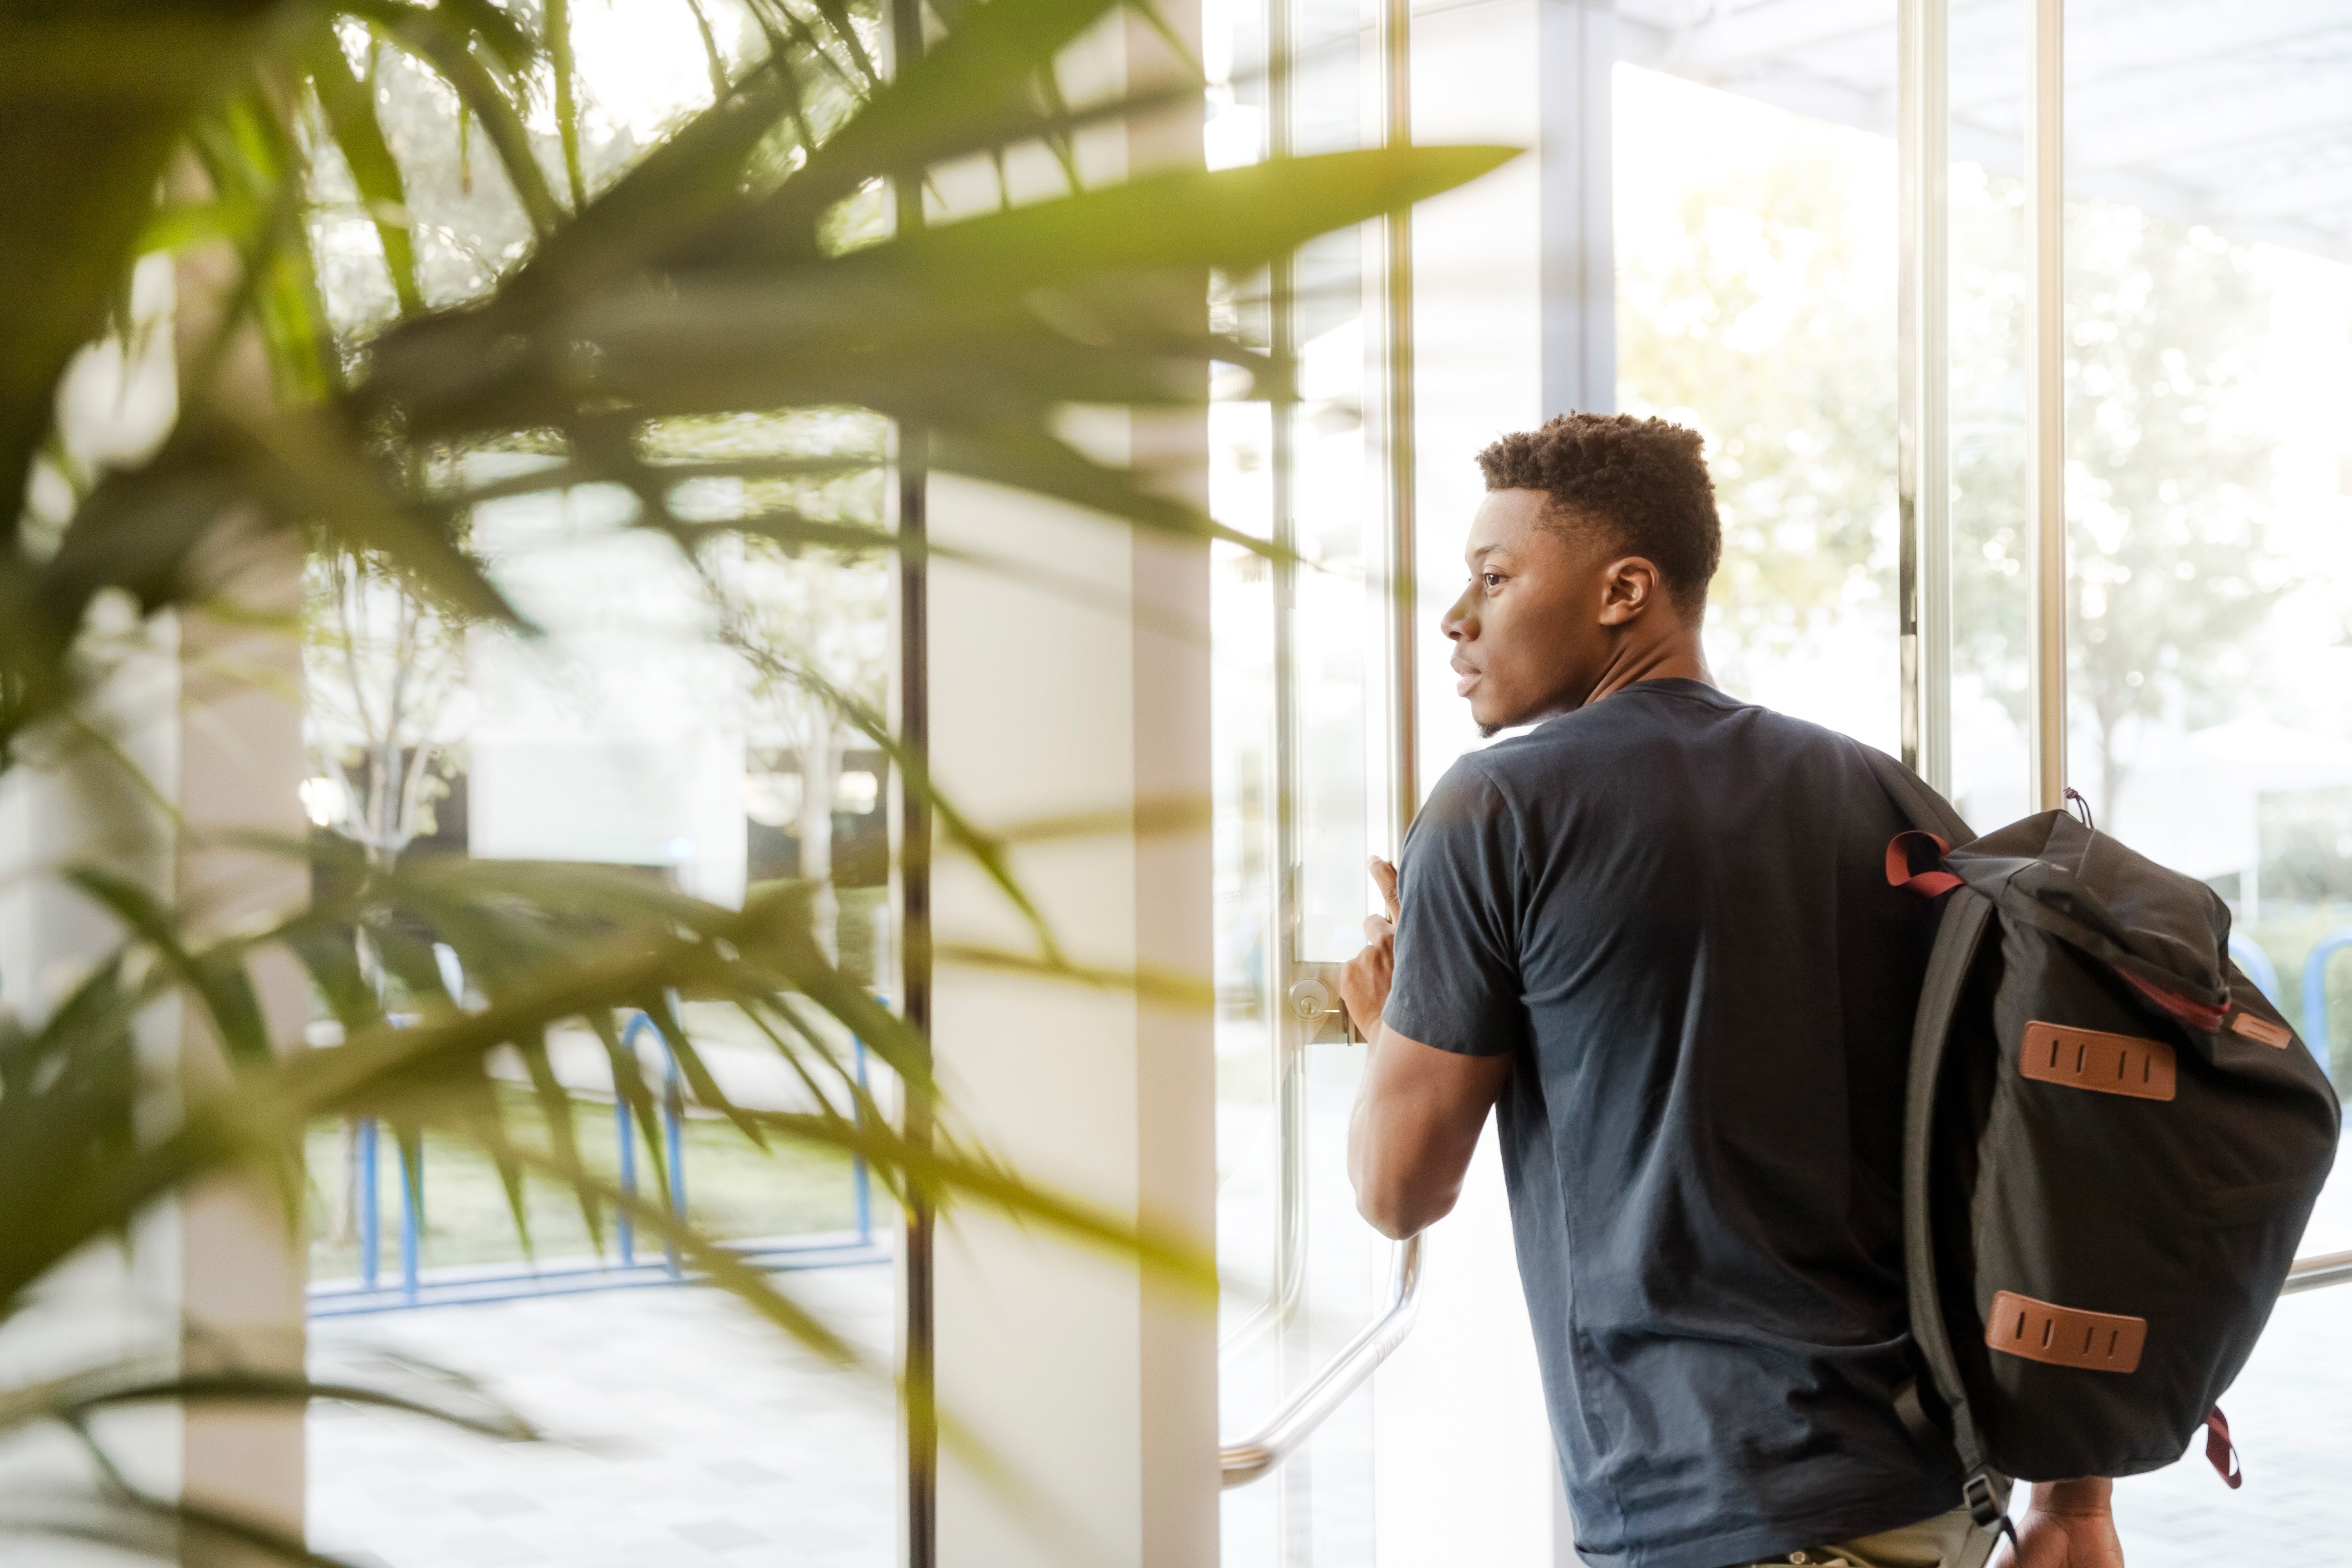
<point x="195" y="732"/>
<point x="1090" y="1390"/>
<point x="241" y="1268"/>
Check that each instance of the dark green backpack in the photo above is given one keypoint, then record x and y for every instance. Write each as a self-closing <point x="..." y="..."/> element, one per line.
<point x="2111" y="1146"/>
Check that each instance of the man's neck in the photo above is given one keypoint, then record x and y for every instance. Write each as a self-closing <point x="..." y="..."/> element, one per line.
<point x="1677" y="655"/>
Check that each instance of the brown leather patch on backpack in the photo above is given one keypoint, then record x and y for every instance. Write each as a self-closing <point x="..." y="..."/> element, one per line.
<point x="2064" y="1336"/>
<point x="2261" y="1031"/>
<point x="2089" y="1058"/>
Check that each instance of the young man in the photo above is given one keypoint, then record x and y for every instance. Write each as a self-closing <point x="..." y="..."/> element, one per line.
<point x="1656" y="930"/>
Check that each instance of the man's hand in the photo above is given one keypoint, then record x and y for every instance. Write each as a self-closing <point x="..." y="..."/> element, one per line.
<point x="1419" y="1114"/>
<point x="1364" y="981"/>
<point x="2068" y="1525"/>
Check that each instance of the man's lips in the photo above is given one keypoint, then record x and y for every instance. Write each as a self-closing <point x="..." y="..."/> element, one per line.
<point x="1464" y="677"/>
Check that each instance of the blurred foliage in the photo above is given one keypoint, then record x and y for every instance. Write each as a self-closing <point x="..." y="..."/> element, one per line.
<point x="409" y="283"/>
<point x="1763" y="312"/>
<point x="2170" y="566"/>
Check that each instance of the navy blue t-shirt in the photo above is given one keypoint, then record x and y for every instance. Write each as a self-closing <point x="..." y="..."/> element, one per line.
<point x="1672" y="908"/>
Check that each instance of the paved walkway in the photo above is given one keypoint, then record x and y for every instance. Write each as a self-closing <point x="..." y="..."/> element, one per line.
<point x="2291" y="1414"/>
<point x="688" y="1432"/>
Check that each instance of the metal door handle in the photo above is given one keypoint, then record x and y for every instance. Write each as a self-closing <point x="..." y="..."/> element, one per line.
<point x="1263" y="1449"/>
<point x="1314" y="1000"/>
<point x="2324" y="1268"/>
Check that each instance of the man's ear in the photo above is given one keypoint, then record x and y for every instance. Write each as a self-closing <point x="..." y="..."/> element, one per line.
<point x="1628" y="587"/>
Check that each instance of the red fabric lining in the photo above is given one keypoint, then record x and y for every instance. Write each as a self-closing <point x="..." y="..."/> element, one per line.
<point x="2199" y="1015"/>
<point x="2219" y="1452"/>
<point x="1926" y="884"/>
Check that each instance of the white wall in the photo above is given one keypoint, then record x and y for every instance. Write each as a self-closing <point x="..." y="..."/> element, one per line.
<point x="1091" y="1388"/>
<point x="1097" y="1395"/>
<point x="200" y="711"/>
<point x="616" y="734"/>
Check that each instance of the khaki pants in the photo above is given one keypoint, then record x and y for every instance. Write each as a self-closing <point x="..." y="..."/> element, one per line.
<point x="1947" y="1540"/>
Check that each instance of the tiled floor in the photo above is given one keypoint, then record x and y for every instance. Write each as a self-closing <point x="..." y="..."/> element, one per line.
<point x="2291" y="1415"/>
<point x="684" y="1431"/>
<point x="687" y="1432"/>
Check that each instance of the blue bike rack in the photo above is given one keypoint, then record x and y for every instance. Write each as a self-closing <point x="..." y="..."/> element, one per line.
<point x="673" y="1112"/>
<point x="2257" y="965"/>
<point x="371" y="1244"/>
<point x="2317" y="1032"/>
<point x="450" y="1287"/>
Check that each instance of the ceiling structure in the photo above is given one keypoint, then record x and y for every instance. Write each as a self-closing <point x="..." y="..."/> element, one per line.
<point x="2231" y="113"/>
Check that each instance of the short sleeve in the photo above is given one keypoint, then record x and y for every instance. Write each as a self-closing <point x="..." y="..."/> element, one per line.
<point x="1457" y="966"/>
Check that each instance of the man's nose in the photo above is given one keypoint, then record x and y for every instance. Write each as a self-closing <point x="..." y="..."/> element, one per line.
<point x="1458" y="623"/>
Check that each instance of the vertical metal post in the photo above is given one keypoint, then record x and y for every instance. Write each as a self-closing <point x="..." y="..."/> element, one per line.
<point x="1291" y="1033"/>
<point x="918" y="1270"/>
<point x="412" y="1199"/>
<point x="626" y="1228"/>
<point x="2045" y="401"/>
<point x="861" y="1179"/>
<point x="674" y="1143"/>
<point x="371" y="1221"/>
<point x="1397" y="404"/>
<point x="1923" y="433"/>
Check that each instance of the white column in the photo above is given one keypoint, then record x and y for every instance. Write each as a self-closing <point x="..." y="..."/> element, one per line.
<point x="1089" y="1389"/>
<point x="238" y="745"/>
<point x="241" y="1270"/>
<point x="203" y="714"/>
<point x="1097" y="1396"/>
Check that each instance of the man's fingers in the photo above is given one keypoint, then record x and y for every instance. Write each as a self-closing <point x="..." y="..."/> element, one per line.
<point x="1377" y="930"/>
<point x="1384" y="877"/>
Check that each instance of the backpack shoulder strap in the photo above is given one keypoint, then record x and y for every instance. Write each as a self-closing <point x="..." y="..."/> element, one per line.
<point x="1958" y="938"/>
<point x="1959" y="935"/>
<point x="1920" y="805"/>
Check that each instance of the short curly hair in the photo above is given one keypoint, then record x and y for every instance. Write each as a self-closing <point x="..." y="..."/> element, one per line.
<point x="1644" y="480"/>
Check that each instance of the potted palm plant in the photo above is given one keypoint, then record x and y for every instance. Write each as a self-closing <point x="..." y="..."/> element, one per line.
<point x="742" y="267"/>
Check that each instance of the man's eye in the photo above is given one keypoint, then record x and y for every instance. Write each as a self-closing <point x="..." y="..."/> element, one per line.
<point x="1491" y="578"/>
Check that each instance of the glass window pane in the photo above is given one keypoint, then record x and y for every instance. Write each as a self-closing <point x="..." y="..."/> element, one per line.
<point x="1989" y="349"/>
<point x="1756" y="273"/>
<point x="2209" y="381"/>
<point x="1296" y="699"/>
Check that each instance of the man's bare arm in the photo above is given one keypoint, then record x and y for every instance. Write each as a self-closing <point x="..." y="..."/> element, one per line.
<point x="1418" y="1116"/>
<point x="1415" y="1126"/>
<point x="2071" y="1524"/>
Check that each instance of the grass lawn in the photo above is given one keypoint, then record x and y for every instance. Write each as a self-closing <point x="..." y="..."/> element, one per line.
<point x="733" y="1190"/>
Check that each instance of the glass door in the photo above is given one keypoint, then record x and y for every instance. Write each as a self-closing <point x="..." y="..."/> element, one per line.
<point x="2149" y="375"/>
<point x="1304" y="742"/>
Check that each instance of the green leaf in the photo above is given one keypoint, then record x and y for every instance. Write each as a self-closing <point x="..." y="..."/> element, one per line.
<point x="1233" y="218"/>
<point x="925" y="113"/>
<point x="178" y="227"/>
<point x="349" y="105"/>
<point x="510" y="44"/>
<point x="555" y="1106"/>
<point x="557" y="22"/>
<point x="426" y="35"/>
<point x="217" y="975"/>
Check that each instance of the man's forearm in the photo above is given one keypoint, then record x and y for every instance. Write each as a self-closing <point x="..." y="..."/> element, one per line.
<point x="2087" y="1494"/>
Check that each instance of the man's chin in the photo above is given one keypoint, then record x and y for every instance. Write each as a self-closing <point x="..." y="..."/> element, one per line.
<point x="1491" y="719"/>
